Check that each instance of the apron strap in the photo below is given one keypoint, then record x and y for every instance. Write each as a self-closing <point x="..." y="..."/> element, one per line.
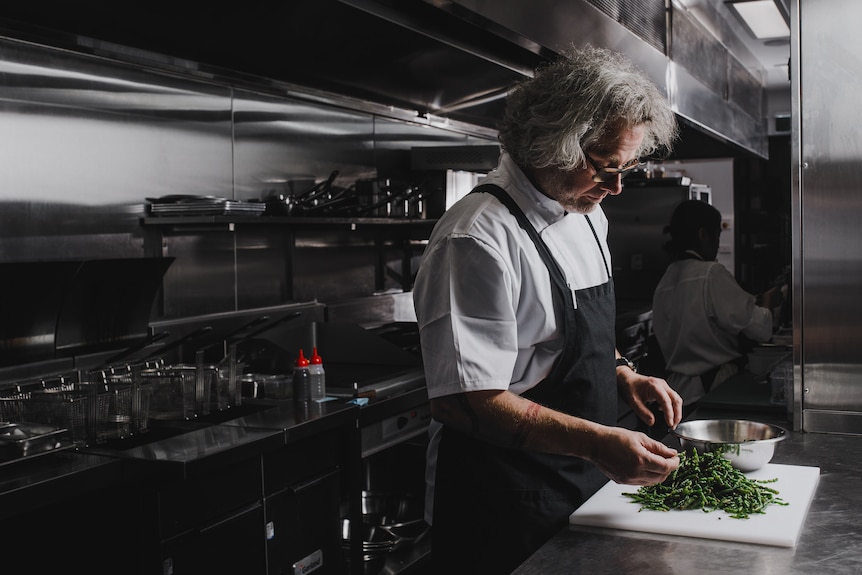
<point x="544" y="252"/>
<point x="598" y="243"/>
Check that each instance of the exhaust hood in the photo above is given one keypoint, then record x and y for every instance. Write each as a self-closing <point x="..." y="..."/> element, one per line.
<point x="415" y="57"/>
<point x="454" y="59"/>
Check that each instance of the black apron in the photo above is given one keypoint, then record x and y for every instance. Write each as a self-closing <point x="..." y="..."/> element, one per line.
<point x="494" y="506"/>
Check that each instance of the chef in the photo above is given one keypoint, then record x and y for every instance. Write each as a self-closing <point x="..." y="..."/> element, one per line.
<point x="515" y="305"/>
<point x="703" y="319"/>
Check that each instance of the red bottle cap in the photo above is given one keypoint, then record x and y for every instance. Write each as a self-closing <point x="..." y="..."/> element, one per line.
<point x="315" y="359"/>
<point x="301" y="361"/>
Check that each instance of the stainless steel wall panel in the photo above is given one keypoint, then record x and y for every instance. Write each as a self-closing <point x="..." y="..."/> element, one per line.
<point x="713" y="89"/>
<point x="86" y="140"/>
<point x="832" y="387"/>
<point x="827" y="78"/>
<point x="282" y="142"/>
<point x="41" y="230"/>
<point x="692" y="100"/>
<point x="205" y="279"/>
<point x="698" y="51"/>
<point x="745" y="90"/>
<point x="694" y="74"/>
<point x="556" y="25"/>
<point x="335" y="262"/>
<point x="85" y="131"/>
<point x="400" y="136"/>
<point x="262" y="277"/>
<point x="849" y="422"/>
<point x="646" y="18"/>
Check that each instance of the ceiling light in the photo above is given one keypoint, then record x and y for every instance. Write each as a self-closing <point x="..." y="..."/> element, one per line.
<point x="761" y="17"/>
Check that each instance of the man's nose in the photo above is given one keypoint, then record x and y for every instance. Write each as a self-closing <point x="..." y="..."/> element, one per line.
<point x="614" y="186"/>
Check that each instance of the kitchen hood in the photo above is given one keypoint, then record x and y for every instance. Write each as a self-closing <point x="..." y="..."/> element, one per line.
<point x="453" y="59"/>
<point x="415" y="57"/>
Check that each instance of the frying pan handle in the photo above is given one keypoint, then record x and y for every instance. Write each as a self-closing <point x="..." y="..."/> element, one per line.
<point x="271" y="325"/>
<point x="252" y="324"/>
<point x="175" y="344"/>
<point x="138" y="347"/>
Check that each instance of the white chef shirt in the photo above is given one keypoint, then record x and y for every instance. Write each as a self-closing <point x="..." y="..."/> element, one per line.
<point x="484" y="299"/>
<point x="698" y="312"/>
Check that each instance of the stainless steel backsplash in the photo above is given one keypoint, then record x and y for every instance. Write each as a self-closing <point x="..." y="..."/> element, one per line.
<point x="86" y="140"/>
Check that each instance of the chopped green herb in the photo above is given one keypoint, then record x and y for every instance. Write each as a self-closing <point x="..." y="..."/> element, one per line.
<point x="709" y="482"/>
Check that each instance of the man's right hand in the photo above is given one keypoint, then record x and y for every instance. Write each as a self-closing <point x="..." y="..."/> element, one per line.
<point x="632" y="458"/>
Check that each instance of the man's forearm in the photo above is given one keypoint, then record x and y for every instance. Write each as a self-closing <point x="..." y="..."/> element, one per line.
<point x="508" y="420"/>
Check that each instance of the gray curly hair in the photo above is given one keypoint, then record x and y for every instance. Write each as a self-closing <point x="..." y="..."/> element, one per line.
<point x="571" y="104"/>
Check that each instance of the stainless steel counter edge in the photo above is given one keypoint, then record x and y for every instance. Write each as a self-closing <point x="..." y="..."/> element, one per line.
<point x="271" y="425"/>
<point x="196" y="453"/>
<point x="299" y="422"/>
<point x="28" y="484"/>
<point x="830" y="542"/>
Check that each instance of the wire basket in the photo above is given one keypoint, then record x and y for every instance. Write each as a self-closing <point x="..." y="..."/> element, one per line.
<point x="122" y="403"/>
<point x="12" y="408"/>
<point x="59" y="403"/>
<point x="62" y="409"/>
<point x="113" y="412"/>
<point x="170" y="391"/>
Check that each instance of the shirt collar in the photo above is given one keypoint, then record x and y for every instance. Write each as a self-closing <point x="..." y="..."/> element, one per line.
<point x="694" y="254"/>
<point x="549" y="209"/>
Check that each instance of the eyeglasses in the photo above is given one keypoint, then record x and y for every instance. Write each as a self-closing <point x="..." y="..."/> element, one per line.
<point x="605" y="174"/>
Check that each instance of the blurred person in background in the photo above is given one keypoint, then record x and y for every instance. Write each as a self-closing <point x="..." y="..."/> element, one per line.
<point x="704" y="322"/>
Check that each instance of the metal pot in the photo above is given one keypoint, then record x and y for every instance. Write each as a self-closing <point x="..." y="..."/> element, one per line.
<point x="392" y="507"/>
<point x="376" y="545"/>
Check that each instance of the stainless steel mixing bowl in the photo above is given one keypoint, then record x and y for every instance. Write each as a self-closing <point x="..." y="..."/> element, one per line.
<point x="749" y="445"/>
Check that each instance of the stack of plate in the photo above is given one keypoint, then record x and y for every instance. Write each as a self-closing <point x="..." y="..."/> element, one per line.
<point x="183" y="205"/>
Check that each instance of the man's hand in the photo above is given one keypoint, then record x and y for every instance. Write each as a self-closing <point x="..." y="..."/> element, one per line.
<point x="632" y="458"/>
<point x="641" y="390"/>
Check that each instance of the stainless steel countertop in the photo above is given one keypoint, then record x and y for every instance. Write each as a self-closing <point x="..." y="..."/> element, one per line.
<point x="830" y="542"/>
<point x="32" y="482"/>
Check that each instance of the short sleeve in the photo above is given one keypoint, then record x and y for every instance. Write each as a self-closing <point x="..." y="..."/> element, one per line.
<point x="464" y="297"/>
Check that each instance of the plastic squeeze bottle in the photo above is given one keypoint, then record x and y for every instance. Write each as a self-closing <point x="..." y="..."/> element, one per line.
<point x="318" y="376"/>
<point x="301" y="379"/>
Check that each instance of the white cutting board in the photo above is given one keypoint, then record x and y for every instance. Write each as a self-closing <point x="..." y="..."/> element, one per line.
<point x="779" y="526"/>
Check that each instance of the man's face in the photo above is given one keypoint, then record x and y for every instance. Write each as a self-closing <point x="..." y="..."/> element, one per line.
<point x="576" y="190"/>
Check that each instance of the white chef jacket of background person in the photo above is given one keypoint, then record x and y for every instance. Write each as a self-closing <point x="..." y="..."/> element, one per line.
<point x="698" y="311"/>
<point x="484" y="298"/>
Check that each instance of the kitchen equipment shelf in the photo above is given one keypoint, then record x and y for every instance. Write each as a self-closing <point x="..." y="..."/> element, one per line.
<point x="300" y="222"/>
<point x="401" y="234"/>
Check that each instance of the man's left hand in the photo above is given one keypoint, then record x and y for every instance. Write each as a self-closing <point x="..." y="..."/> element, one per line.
<point x="640" y="390"/>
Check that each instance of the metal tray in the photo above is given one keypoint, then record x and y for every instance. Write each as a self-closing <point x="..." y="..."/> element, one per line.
<point x="23" y="439"/>
<point x="207" y="207"/>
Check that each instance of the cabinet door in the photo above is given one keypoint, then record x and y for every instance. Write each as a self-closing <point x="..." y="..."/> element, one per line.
<point x="231" y="546"/>
<point x="303" y="525"/>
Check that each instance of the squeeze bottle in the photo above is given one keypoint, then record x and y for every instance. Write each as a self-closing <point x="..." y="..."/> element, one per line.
<point x="318" y="376"/>
<point x="301" y="379"/>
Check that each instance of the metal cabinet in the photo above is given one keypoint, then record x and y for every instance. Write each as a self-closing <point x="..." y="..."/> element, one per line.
<point x="302" y="528"/>
<point x="302" y="506"/>
<point x="230" y="545"/>
<point x="208" y="524"/>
